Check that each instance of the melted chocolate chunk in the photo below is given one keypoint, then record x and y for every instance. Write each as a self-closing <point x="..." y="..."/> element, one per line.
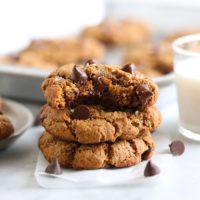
<point x="144" y="93"/>
<point x="54" y="167"/>
<point x="130" y="68"/>
<point x="135" y="101"/>
<point x="177" y="148"/>
<point x="81" y="112"/>
<point x="151" y="169"/>
<point x="78" y="75"/>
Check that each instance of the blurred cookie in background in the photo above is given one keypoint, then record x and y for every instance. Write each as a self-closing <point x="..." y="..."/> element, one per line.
<point x="165" y="53"/>
<point x="53" y="53"/>
<point x="119" y="32"/>
<point x="144" y="56"/>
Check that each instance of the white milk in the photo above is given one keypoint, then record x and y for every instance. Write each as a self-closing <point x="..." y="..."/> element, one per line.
<point x="188" y="89"/>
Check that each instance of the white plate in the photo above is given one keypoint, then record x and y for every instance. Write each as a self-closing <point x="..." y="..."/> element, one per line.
<point x="20" y="117"/>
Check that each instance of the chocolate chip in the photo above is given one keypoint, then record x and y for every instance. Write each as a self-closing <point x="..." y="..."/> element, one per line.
<point x="81" y="112"/>
<point x="151" y="169"/>
<point x="78" y="75"/>
<point x="130" y="68"/>
<point x="144" y="93"/>
<point x="54" y="167"/>
<point x="99" y="85"/>
<point x="90" y="62"/>
<point x="134" y="101"/>
<point x="177" y="147"/>
<point x="72" y="105"/>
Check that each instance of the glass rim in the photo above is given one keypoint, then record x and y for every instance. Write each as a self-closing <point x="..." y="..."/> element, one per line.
<point x="185" y="40"/>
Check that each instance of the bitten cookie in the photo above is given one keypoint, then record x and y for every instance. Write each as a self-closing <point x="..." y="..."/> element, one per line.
<point x="124" y="32"/>
<point x="99" y="84"/>
<point x="6" y="127"/>
<point x="94" y="124"/>
<point x="74" y="155"/>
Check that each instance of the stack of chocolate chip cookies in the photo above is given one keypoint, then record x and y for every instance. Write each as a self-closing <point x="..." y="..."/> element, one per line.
<point x="98" y="116"/>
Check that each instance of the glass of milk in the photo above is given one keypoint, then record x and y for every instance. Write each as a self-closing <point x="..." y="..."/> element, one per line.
<point x="187" y="76"/>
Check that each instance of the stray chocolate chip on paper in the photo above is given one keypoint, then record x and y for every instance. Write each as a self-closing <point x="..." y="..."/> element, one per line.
<point x="151" y="169"/>
<point x="78" y="75"/>
<point x="177" y="147"/>
<point x="54" y="167"/>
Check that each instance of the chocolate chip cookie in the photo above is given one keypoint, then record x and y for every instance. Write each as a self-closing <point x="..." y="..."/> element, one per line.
<point x="99" y="84"/>
<point x="6" y="127"/>
<point x="122" y="153"/>
<point x="119" y="32"/>
<point x="93" y="124"/>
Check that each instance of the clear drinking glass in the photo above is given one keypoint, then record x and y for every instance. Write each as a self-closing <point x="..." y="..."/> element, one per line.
<point x="187" y="76"/>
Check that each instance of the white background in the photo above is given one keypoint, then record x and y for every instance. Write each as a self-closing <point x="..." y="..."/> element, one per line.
<point x="22" y="20"/>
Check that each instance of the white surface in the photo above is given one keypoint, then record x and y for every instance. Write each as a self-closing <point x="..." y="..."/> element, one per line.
<point x="18" y="166"/>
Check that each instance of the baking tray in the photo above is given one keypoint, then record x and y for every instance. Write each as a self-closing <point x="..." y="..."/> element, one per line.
<point x="22" y="82"/>
<point x="25" y="82"/>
